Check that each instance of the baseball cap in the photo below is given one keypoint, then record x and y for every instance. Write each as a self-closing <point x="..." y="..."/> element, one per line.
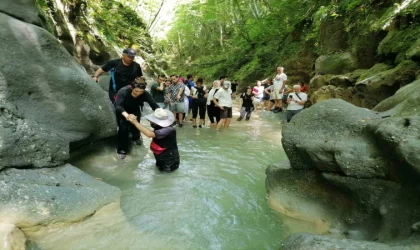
<point x="129" y="52"/>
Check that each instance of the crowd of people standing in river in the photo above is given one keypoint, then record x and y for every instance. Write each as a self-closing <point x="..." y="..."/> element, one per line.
<point x="176" y="100"/>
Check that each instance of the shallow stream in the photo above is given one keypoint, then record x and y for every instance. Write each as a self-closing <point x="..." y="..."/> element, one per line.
<point x="215" y="200"/>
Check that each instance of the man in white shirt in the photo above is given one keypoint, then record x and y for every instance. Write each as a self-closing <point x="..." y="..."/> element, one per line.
<point x="223" y="100"/>
<point x="296" y="102"/>
<point x="278" y="85"/>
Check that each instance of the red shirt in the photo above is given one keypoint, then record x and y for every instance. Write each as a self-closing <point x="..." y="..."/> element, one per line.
<point x="303" y="89"/>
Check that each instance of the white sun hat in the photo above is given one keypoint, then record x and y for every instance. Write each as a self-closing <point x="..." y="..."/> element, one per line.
<point x="161" y="117"/>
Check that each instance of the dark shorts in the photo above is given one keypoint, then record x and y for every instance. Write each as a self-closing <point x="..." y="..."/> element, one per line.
<point x="226" y="113"/>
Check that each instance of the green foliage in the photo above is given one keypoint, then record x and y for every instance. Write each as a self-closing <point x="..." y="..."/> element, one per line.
<point x="45" y="16"/>
<point x="377" y="68"/>
<point x="400" y="41"/>
<point x="119" y="24"/>
<point x="248" y="39"/>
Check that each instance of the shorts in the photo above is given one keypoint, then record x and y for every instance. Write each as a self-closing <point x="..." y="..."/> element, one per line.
<point x="162" y="105"/>
<point x="277" y="95"/>
<point x="226" y="113"/>
<point x="177" y="107"/>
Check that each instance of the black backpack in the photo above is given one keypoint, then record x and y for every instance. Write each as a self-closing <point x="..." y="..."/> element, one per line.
<point x="200" y="96"/>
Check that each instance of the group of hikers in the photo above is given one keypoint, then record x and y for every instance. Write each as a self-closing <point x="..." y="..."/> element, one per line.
<point x="174" y="99"/>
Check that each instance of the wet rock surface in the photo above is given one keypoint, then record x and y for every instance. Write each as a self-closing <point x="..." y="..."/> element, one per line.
<point x="24" y="10"/>
<point x="64" y="194"/>
<point x="360" y="165"/>
<point x="304" y="241"/>
<point x="47" y="100"/>
<point x="48" y="105"/>
<point x="11" y="237"/>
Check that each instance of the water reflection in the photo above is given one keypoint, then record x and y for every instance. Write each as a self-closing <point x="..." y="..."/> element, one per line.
<point x="217" y="198"/>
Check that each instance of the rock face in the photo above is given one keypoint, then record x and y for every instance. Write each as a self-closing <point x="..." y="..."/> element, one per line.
<point x="361" y="165"/>
<point x="48" y="104"/>
<point x="335" y="64"/>
<point x="24" y="10"/>
<point x="33" y="197"/>
<point x="77" y="36"/>
<point x="364" y="88"/>
<point x="47" y="101"/>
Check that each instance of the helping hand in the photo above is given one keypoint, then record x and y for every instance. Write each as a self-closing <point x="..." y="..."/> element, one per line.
<point x="131" y="118"/>
<point x="95" y="78"/>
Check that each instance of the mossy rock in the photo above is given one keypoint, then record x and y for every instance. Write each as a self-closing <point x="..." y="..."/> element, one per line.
<point x="414" y="51"/>
<point x="406" y="100"/>
<point x="402" y="43"/>
<point x="377" y="68"/>
<point x="384" y="84"/>
<point x="353" y="76"/>
<point x="341" y="80"/>
<point x="340" y="63"/>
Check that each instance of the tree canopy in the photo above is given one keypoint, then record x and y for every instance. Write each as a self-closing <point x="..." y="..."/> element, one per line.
<point x="247" y="39"/>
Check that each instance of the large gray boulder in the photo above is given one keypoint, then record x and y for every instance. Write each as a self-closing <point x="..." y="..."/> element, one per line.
<point x="47" y="101"/>
<point x="24" y="10"/>
<point x="361" y="166"/>
<point x="337" y="146"/>
<point x="33" y="197"/>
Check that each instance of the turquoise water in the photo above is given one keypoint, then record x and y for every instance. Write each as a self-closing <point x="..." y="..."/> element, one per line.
<point x="215" y="200"/>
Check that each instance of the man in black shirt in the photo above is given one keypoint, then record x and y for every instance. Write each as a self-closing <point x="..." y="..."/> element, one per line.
<point x="123" y="72"/>
<point x="158" y="91"/>
<point x="127" y="106"/>
<point x="234" y="86"/>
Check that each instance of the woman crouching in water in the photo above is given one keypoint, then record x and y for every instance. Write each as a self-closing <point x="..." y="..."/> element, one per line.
<point x="164" y="145"/>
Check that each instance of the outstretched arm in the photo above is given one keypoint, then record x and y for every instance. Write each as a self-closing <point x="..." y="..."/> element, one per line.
<point x="147" y="132"/>
<point x="99" y="72"/>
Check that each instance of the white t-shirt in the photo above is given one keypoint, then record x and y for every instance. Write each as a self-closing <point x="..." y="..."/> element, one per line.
<point x="294" y="105"/>
<point x="211" y="95"/>
<point x="278" y="80"/>
<point x="260" y="92"/>
<point x="224" y="97"/>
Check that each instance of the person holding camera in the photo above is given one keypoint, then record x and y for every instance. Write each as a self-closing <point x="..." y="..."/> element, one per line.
<point x="296" y="102"/>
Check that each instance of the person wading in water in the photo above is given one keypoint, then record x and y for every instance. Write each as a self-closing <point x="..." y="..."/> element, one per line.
<point x="199" y="103"/>
<point x="212" y="111"/>
<point x="123" y="72"/>
<point x="127" y="105"/>
<point x="223" y="100"/>
<point x="247" y="105"/>
<point x="164" y="145"/>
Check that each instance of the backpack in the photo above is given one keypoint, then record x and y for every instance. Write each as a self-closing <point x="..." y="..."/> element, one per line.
<point x="112" y="72"/>
<point x="200" y="96"/>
